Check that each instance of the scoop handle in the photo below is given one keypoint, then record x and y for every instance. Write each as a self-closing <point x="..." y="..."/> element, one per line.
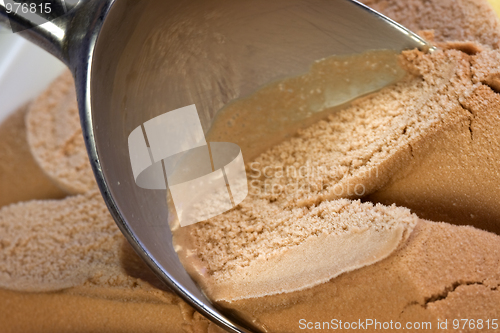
<point x="38" y="23"/>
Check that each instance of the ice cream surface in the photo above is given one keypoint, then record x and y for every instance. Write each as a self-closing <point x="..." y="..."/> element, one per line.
<point x="56" y="140"/>
<point x="262" y="246"/>
<point x="65" y="266"/>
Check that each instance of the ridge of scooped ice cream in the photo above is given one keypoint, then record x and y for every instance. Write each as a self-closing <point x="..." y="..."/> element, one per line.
<point x="53" y="245"/>
<point x="453" y="174"/>
<point x="56" y="139"/>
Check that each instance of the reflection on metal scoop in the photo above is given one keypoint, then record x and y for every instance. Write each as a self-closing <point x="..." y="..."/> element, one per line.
<point x="136" y="60"/>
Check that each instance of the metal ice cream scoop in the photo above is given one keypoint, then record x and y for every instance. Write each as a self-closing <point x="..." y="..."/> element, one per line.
<point x="136" y="60"/>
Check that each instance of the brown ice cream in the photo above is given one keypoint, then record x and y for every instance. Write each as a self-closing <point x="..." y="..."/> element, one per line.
<point x="353" y="153"/>
<point x="65" y="266"/>
<point x="20" y="176"/>
<point x="442" y="272"/>
<point x="273" y="251"/>
<point x="453" y="175"/>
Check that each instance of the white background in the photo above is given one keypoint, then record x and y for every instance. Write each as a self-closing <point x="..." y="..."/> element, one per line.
<point x="25" y="71"/>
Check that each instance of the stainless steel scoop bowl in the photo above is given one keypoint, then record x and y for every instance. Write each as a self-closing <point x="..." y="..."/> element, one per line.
<point x="134" y="60"/>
